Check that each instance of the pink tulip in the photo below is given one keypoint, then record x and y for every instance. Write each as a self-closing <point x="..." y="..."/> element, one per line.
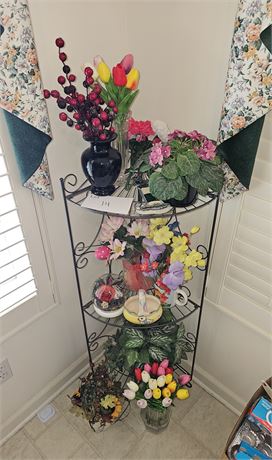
<point x="161" y="371"/>
<point x="127" y="63"/>
<point x="147" y="368"/>
<point x="165" y="363"/>
<point x="184" y="379"/>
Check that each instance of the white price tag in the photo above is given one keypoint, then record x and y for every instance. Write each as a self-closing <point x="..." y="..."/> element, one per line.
<point x="111" y="204"/>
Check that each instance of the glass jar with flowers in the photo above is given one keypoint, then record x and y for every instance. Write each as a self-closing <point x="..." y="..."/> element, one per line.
<point x="120" y="86"/>
<point x="92" y="115"/>
<point x="154" y="390"/>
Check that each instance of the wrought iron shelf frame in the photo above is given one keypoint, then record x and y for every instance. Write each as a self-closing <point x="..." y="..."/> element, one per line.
<point x="75" y="194"/>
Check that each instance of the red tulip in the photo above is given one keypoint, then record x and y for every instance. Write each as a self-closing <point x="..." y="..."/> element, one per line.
<point x="138" y="374"/>
<point x="119" y="76"/>
<point x="154" y="368"/>
<point x="127" y="63"/>
<point x="169" y="370"/>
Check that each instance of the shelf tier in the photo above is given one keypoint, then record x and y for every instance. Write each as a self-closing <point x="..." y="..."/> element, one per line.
<point x="78" y="195"/>
<point x="180" y="313"/>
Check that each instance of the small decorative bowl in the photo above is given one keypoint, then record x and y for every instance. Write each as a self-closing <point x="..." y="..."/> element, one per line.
<point x="109" y="297"/>
<point x="134" y="315"/>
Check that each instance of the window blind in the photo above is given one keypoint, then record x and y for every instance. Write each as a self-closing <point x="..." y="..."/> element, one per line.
<point x="249" y="271"/>
<point x="17" y="283"/>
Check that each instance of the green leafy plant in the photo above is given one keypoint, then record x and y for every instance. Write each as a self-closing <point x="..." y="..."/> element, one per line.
<point x="179" y="161"/>
<point x="131" y="347"/>
<point x="185" y="167"/>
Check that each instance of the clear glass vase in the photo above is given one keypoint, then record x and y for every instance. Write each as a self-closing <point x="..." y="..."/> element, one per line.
<point x="121" y="142"/>
<point x="156" y="420"/>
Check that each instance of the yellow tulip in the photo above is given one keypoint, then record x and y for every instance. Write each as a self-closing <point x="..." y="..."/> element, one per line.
<point x="166" y="393"/>
<point x="168" y="378"/>
<point x="133" y="78"/>
<point x="156" y="393"/>
<point x="183" y="393"/>
<point x="172" y="386"/>
<point x="103" y="72"/>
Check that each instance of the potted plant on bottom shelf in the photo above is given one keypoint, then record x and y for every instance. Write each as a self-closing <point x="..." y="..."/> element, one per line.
<point x="155" y="390"/>
<point x="98" y="398"/>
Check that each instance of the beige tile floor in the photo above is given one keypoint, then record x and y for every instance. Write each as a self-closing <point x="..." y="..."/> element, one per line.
<point x="198" y="430"/>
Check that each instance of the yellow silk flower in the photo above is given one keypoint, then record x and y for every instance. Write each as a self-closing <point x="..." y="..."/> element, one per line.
<point x="159" y="221"/>
<point x="133" y="78"/>
<point x="103" y="72"/>
<point x="201" y="263"/>
<point x="178" y="255"/>
<point x="163" y="235"/>
<point x="180" y="242"/>
<point x="193" y="259"/>
<point x="194" y="230"/>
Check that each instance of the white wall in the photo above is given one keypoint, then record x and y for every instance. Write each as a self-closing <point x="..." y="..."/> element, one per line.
<point x="182" y="50"/>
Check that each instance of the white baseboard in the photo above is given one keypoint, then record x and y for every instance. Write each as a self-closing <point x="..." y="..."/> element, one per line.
<point x="218" y="390"/>
<point x="44" y="397"/>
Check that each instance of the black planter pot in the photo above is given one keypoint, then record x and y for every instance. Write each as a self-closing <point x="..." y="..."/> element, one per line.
<point x="189" y="199"/>
<point x="101" y="164"/>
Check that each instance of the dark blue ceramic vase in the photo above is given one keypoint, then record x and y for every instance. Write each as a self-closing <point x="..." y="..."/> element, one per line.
<point x="101" y="164"/>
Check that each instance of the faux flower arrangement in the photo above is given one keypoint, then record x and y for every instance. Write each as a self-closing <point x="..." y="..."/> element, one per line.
<point x="106" y="95"/>
<point x="174" y="161"/>
<point x="156" y="387"/>
<point x="89" y="112"/>
<point x="98" y="398"/>
<point x="120" y="85"/>
<point x="160" y="250"/>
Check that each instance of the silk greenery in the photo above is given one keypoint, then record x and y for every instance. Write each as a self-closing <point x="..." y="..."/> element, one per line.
<point x="131" y="347"/>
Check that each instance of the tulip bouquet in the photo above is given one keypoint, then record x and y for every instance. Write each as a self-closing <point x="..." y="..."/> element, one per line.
<point x="120" y="85"/>
<point x="156" y="387"/>
<point x="158" y="249"/>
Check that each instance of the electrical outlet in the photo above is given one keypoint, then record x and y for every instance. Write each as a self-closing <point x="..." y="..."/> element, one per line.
<point x="5" y="371"/>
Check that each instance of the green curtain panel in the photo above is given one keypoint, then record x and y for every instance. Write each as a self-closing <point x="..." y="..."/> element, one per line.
<point x="248" y="95"/>
<point x="21" y="96"/>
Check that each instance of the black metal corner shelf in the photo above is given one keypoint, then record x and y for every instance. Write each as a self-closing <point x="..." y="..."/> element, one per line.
<point x="73" y="195"/>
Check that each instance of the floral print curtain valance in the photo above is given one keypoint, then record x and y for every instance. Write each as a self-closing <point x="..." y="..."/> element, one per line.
<point x="21" y="96"/>
<point x="248" y="93"/>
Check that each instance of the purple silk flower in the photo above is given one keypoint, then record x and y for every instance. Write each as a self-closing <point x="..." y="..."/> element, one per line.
<point x="174" y="278"/>
<point x="153" y="249"/>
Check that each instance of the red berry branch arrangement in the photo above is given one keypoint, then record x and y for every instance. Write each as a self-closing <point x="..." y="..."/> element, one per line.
<point x="87" y="113"/>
